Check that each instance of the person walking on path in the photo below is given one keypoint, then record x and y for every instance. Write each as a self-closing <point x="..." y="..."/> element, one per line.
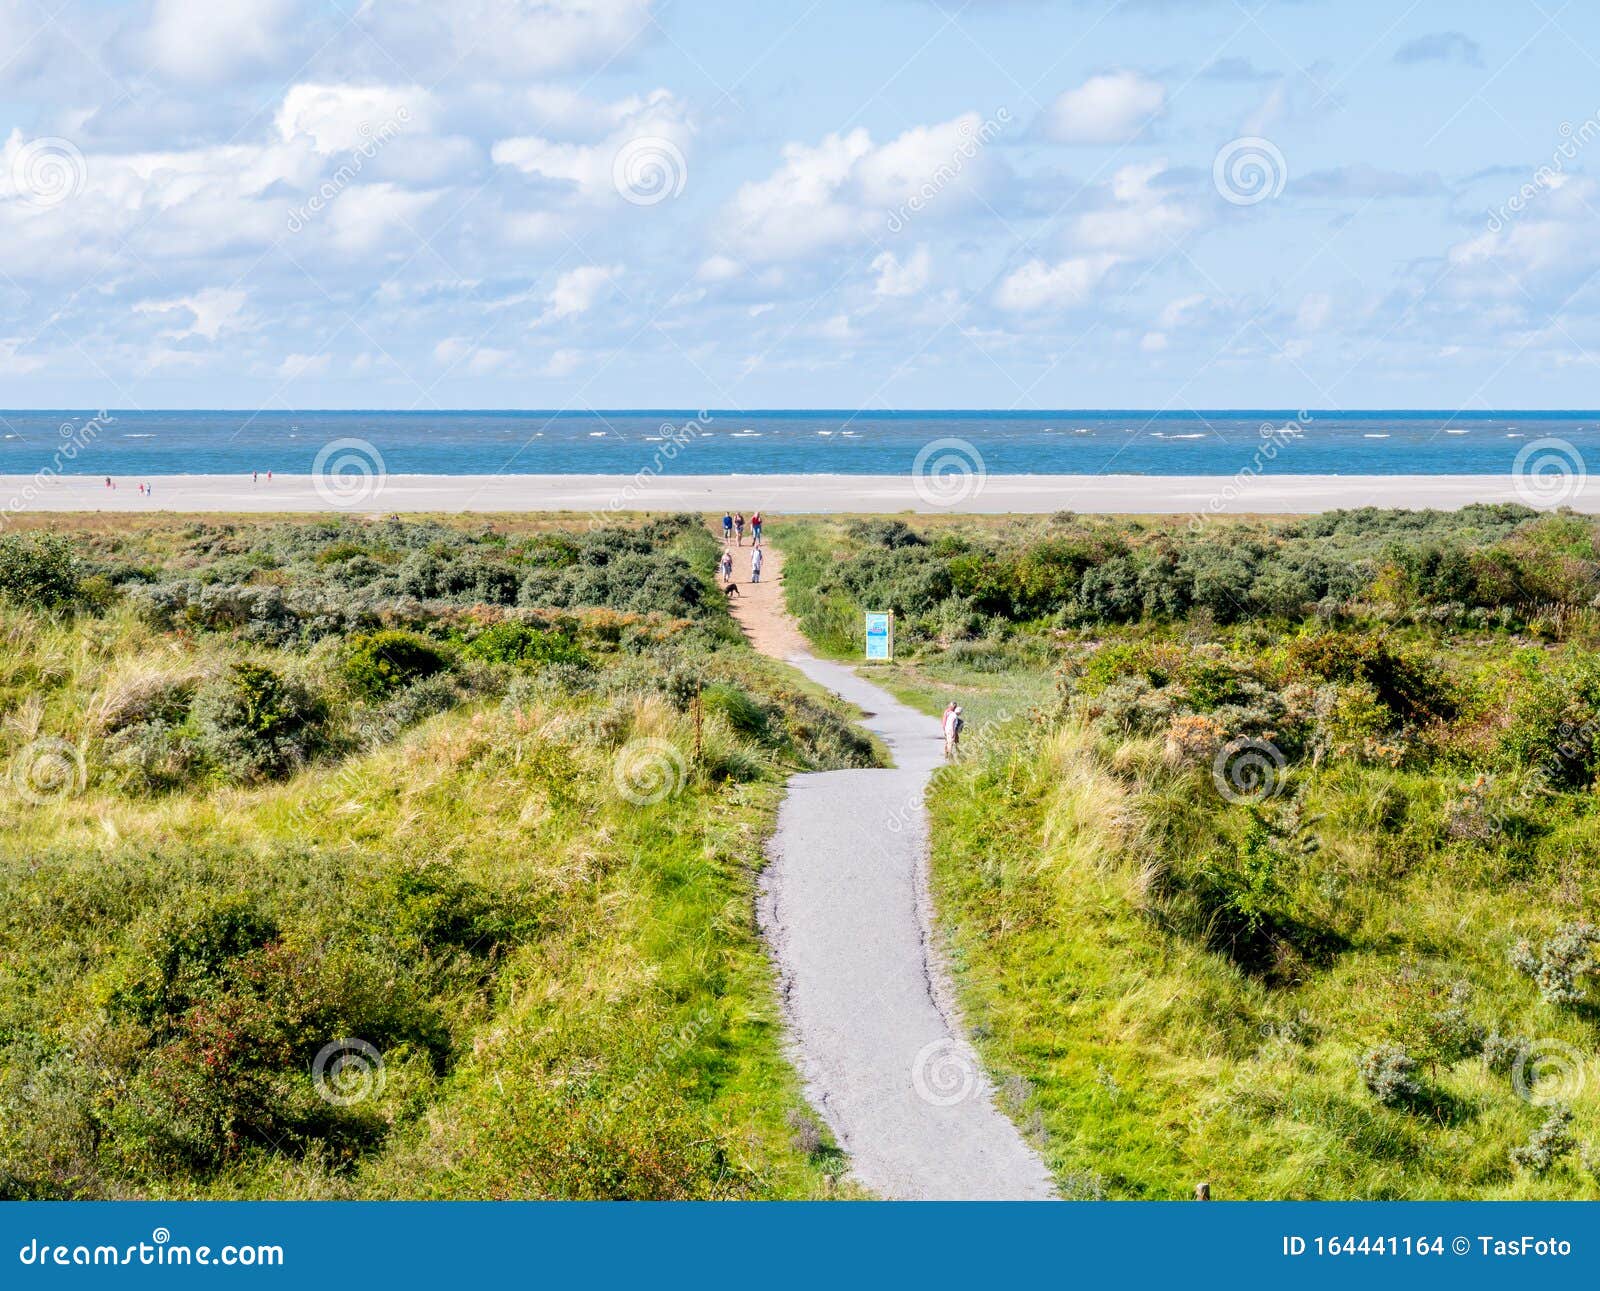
<point x="726" y="565"/>
<point x="952" y="729"/>
<point x="738" y="526"/>
<point x="755" y="528"/>
<point x="727" y="526"/>
<point x="755" y="564"/>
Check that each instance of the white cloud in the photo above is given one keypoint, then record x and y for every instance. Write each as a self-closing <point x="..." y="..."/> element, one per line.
<point x="479" y="359"/>
<point x="563" y="363"/>
<point x="1107" y="109"/>
<point x="212" y="309"/>
<point x="1316" y="308"/>
<point x="797" y="208"/>
<point x="1065" y="285"/>
<point x="577" y="290"/>
<point x="896" y="279"/>
<point x="1140" y="219"/>
<point x="718" y="268"/>
<point x="1549" y="243"/>
<point x="1178" y="312"/>
<point x="206" y="42"/>
<point x="342" y="118"/>
<point x="518" y="38"/>
<point x="366" y="217"/>
<point x="837" y="192"/>
<point x="589" y="167"/>
<point x="1153" y="342"/>
<point x="296" y="366"/>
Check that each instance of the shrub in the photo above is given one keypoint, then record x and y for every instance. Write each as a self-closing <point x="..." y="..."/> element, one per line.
<point x="735" y="704"/>
<point x="1564" y="960"/>
<point x="406" y="707"/>
<point x="1389" y="1074"/>
<point x="153" y="757"/>
<point x="254" y="724"/>
<point x="521" y="643"/>
<point x="1501" y="1052"/>
<point x="377" y="663"/>
<point x="1547" y="1145"/>
<point x="1409" y="685"/>
<point x="40" y="571"/>
<point x="141" y="700"/>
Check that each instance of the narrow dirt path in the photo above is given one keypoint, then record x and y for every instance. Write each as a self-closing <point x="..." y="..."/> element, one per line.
<point x="844" y="907"/>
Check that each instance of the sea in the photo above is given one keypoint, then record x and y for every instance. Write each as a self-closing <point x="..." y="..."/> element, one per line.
<point x="713" y="442"/>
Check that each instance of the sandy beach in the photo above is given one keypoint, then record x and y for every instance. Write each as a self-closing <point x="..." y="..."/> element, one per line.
<point x="795" y="494"/>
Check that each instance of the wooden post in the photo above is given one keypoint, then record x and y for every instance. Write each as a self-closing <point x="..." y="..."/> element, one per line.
<point x="698" y="712"/>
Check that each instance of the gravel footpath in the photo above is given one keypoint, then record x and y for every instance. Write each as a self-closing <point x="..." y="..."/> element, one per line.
<point x="845" y="908"/>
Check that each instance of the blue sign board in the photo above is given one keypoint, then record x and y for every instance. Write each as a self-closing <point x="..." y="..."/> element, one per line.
<point x="880" y="635"/>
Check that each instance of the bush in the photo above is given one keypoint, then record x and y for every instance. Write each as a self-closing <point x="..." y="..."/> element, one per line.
<point x="40" y="571"/>
<point x="254" y="724"/>
<point x="142" y="700"/>
<point x="1502" y="1052"/>
<point x="1389" y="1074"/>
<point x="743" y="714"/>
<point x="376" y="663"/>
<point x="1411" y="687"/>
<point x="1564" y="960"/>
<point x="1547" y="1144"/>
<point x="520" y="643"/>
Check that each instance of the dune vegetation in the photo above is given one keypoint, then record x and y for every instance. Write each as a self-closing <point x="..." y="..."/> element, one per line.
<point x="1271" y="857"/>
<point x="391" y="859"/>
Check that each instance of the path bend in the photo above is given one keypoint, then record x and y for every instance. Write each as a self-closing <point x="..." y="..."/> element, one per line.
<point x="845" y="909"/>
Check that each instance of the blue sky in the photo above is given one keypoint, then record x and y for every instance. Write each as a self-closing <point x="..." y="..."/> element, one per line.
<point x="613" y="203"/>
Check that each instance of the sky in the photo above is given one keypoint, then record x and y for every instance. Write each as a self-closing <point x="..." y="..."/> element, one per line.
<point x="1008" y="204"/>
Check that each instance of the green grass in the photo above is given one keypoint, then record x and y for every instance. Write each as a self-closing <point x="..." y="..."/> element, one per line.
<point x="1069" y="870"/>
<point x="536" y="907"/>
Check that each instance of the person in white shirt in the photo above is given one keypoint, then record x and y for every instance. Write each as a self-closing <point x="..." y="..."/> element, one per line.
<point x="755" y="564"/>
<point x="953" y="723"/>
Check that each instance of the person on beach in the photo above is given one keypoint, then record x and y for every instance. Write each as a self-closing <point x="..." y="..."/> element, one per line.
<point x="727" y="526"/>
<point x="755" y="564"/>
<point x="755" y="528"/>
<point x="953" y="723"/>
<point x="255" y="477"/>
<point x="738" y="526"/>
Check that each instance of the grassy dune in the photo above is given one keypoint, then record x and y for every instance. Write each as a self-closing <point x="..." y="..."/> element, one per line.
<point x="467" y="912"/>
<point x="1174" y="984"/>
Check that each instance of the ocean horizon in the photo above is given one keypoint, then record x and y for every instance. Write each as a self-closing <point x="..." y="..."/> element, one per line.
<point x="789" y="441"/>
